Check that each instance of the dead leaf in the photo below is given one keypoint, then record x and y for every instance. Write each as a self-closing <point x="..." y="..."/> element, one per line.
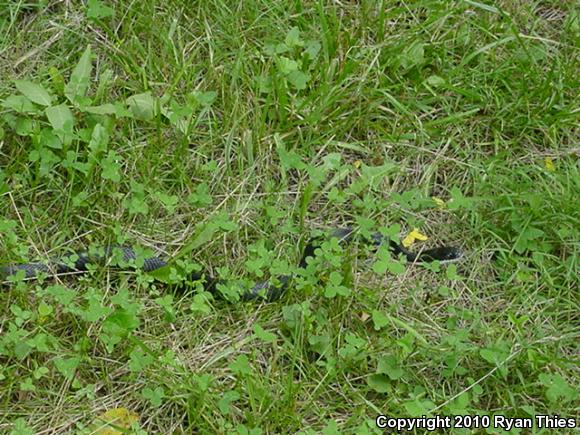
<point x="114" y="421"/>
<point x="440" y="203"/>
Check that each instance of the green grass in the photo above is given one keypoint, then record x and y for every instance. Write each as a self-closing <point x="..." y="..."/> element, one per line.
<point x="259" y="124"/>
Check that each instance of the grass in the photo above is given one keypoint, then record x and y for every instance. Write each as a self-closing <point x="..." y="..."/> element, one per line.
<point x="238" y="131"/>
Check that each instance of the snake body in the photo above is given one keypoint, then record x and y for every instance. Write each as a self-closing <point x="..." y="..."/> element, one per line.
<point x="268" y="290"/>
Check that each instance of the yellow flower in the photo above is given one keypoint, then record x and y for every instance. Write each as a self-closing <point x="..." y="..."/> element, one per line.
<point x="412" y="236"/>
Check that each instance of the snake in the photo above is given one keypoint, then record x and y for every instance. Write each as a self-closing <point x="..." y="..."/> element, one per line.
<point x="269" y="290"/>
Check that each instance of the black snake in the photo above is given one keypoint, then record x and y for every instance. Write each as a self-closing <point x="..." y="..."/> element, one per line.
<point x="269" y="290"/>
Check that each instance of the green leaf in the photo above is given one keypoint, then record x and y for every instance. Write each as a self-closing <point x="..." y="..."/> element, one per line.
<point x="451" y="272"/>
<point x="57" y="80"/>
<point x="290" y="160"/>
<point x="229" y="290"/>
<point x="460" y="406"/>
<point x="408" y="340"/>
<point x="312" y="48"/>
<point x="201" y="196"/>
<point x="110" y="167"/>
<point x="557" y="389"/>
<point x="483" y="6"/>
<point x="458" y="200"/>
<point x="19" y="427"/>
<point x="495" y="355"/>
<point x="48" y="160"/>
<point x="99" y="141"/>
<point x="103" y="109"/>
<point x="45" y="310"/>
<point x="60" y="117"/>
<point x="80" y="200"/>
<point x="260" y="260"/>
<point x="25" y="126"/>
<point x="80" y="77"/>
<point x="385" y="263"/>
<point x="137" y="205"/>
<point x="334" y="287"/>
<point x="67" y="366"/>
<point x="354" y="348"/>
<point x="275" y="214"/>
<point x="120" y="322"/>
<point x="273" y="49"/>
<point x="390" y="366"/>
<point x="27" y="385"/>
<point x="155" y="396"/>
<point x="264" y="335"/>
<point x="293" y="38"/>
<point x="286" y="66"/>
<point x="205" y="98"/>
<point x="227" y="398"/>
<point x="95" y="310"/>
<point x="49" y="139"/>
<point x="414" y="55"/>
<point x="40" y="372"/>
<point x="417" y="407"/>
<point x="136" y="202"/>
<point x="169" y="202"/>
<point x="435" y="81"/>
<point x="241" y="366"/>
<point x="202" y="382"/>
<point x="122" y="298"/>
<point x="264" y="84"/>
<point x="34" y="92"/>
<point x="374" y="175"/>
<point x="96" y="9"/>
<point x="380" y="383"/>
<point x="331" y="428"/>
<point x="121" y="110"/>
<point x="200" y="304"/>
<point x="204" y="235"/>
<point x="320" y="344"/>
<point x="62" y="295"/>
<point x="392" y="231"/>
<point x="18" y="103"/>
<point x="166" y="302"/>
<point x="22" y="350"/>
<point x="298" y="79"/>
<point x="379" y="320"/>
<point x="142" y="106"/>
<point x="139" y="360"/>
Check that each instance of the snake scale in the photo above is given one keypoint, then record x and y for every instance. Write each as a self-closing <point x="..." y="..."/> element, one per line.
<point x="268" y="290"/>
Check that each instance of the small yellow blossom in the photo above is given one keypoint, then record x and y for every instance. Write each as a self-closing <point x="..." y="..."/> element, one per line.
<point x="412" y="236"/>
